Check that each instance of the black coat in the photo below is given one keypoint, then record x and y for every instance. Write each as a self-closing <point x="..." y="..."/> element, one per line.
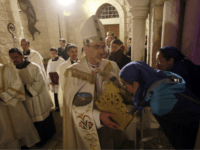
<point x="125" y="60"/>
<point x="63" y="54"/>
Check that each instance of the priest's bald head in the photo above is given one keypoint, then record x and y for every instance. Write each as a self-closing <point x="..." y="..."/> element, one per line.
<point x="93" y="34"/>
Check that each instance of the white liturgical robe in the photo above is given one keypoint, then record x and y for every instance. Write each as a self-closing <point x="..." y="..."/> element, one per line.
<point x="61" y="70"/>
<point x="51" y="67"/>
<point x="35" y="57"/>
<point x="16" y="126"/>
<point x="38" y="103"/>
<point x="80" y="116"/>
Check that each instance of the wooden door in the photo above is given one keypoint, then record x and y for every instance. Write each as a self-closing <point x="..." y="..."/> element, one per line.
<point x="113" y="27"/>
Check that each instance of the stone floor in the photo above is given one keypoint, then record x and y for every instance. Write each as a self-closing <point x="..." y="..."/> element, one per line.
<point x="56" y="141"/>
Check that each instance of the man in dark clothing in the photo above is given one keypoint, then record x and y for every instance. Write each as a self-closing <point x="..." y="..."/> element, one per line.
<point x="62" y="50"/>
<point x="171" y="59"/>
<point x="117" y="54"/>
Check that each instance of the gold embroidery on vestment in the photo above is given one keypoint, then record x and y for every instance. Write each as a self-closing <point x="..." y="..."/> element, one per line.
<point x="87" y="76"/>
<point x="80" y="75"/>
<point x="86" y="124"/>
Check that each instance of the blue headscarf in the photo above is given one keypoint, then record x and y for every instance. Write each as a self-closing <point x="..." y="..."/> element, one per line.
<point x="173" y="53"/>
<point x="162" y="99"/>
<point x="140" y="72"/>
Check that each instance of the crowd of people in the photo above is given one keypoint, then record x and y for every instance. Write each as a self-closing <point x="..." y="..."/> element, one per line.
<point x="170" y="90"/>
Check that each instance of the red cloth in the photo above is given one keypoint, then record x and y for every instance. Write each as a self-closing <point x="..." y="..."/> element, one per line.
<point x="123" y="48"/>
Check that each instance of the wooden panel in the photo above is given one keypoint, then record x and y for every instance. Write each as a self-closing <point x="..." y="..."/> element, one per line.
<point x="114" y="28"/>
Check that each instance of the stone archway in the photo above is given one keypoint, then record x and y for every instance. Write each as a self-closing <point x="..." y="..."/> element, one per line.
<point x="121" y="16"/>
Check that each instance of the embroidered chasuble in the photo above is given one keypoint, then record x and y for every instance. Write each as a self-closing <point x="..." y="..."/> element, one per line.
<point x="81" y="119"/>
<point x="16" y="126"/>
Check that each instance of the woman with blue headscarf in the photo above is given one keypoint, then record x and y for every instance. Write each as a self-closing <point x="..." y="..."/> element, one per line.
<point x="177" y="115"/>
<point x="171" y="59"/>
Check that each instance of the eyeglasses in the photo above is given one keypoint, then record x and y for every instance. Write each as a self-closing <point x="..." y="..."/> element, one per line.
<point x="98" y="47"/>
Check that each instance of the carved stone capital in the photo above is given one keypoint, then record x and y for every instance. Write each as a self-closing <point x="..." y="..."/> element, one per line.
<point x="139" y="12"/>
<point x="139" y="8"/>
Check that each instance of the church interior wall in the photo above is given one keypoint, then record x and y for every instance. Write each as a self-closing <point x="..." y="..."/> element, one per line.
<point x="81" y="13"/>
<point x="9" y="14"/>
<point x="42" y="41"/>
<point x="47" y="12"/>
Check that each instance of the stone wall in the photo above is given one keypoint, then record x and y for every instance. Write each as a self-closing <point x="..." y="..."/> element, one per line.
<point x="42" y="41"/>
<point x="9" y="13"/>
<point x="155" y="30"/>
<point x="47" y="13"/>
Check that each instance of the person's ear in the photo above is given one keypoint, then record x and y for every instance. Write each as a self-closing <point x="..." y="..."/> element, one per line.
<point x="22" y="56"/>
<point x="68" y="52"/>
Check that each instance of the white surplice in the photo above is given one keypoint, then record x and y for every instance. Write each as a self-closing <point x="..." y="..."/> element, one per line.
<point x="51" y="67"/>
<point x="35" y="57"/>
<point x="16" y="126"/>
<point x="38" y="106"/>
<point x="61" y="70"/>
<point x="80" y="119"/>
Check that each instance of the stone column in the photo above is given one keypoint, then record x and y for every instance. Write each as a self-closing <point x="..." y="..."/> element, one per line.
<point x="139" y="16"/>
<point x="170" y="26"/>
<point x="156" y="31"/>
<point x="9" y="13"/>
<point x="191" y="31"/>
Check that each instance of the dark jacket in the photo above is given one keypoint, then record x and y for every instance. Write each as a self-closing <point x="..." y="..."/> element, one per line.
<point x="63" y="54"/>
<point x="120" y="58"/>
<point x="190" y="73"/>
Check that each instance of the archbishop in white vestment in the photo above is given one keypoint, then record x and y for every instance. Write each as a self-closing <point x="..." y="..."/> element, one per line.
<point x="16" y="126"/>
<point x="81" y="120"/>
<point x="84" y="83"/>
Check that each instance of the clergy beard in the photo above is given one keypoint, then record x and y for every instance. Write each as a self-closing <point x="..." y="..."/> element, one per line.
<point x="19" y="64"/>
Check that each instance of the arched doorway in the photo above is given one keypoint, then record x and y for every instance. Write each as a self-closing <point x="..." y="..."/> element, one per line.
<point x="110" y="18"/>
<point x="108" y="22"/>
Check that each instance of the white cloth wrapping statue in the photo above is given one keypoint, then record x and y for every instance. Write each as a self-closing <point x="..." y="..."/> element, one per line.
<point x="61" y="70"/>
<point x="80" y="118"/>
<point x="35" y="57"/>
<point x="51" y="67"/>
<point x="16" y="126"/>
<point x="40" y="104"/>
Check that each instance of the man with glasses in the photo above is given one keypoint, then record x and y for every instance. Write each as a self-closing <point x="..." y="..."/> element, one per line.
<point x="85" y="127"/>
